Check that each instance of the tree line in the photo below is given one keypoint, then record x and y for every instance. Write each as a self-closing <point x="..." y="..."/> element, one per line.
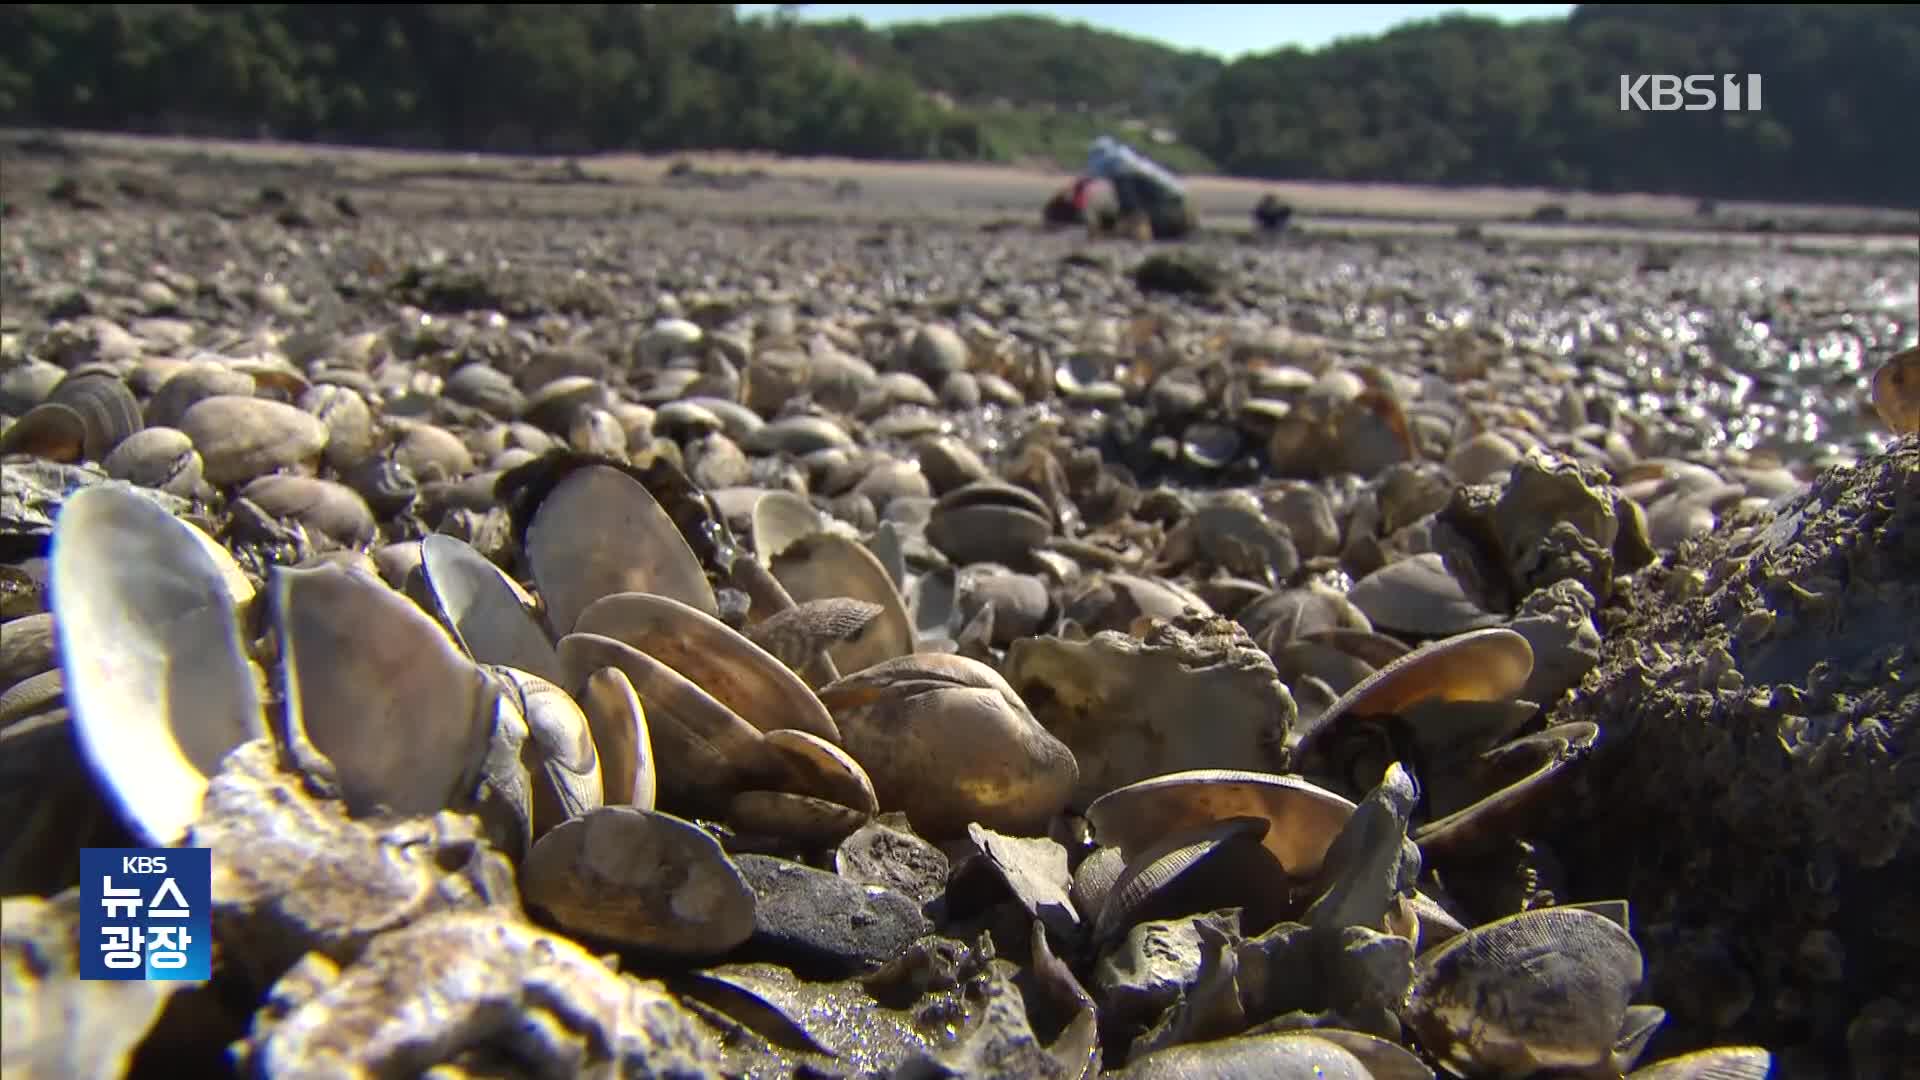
<point x="1456" y="100"/>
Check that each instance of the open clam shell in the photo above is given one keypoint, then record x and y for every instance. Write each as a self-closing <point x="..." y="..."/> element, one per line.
<point x="741" y="675"/>
<point x="559" y="752"/>
<point x="705" y="752"/>
<point x="620" y="736"/>
<point x="1517" y="773"/>
<point x="481" y="607"/>
<point x="156" y="673"/>
<point x="600" y="532"/>
<point x="780" y="520"/>
<point x="1481" y="665"/>
<point x="379" y="699"/>
<point x="1303" y="818"/>
<point x="85" y="417"/>
<point x="1217" y="865"/>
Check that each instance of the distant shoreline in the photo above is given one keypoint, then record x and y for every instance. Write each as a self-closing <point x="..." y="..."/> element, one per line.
<point x="940" y="188"/>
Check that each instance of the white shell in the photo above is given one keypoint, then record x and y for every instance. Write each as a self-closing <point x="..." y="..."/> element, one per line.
<point x="156" y="673"/>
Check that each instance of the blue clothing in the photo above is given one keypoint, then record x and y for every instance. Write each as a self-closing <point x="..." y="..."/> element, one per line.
<point x="1112" y="160"/>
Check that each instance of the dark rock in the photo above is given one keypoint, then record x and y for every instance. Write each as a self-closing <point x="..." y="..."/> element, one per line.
<point x="810" y="919"/>
<point x="1179" y="273"/>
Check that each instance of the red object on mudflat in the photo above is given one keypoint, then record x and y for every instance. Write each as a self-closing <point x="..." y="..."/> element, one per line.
<point x="1081" y="189"/>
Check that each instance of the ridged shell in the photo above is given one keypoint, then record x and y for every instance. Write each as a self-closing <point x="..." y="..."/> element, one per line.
<point x="559" y="752"/>
<point x="1546" y="988"/>
<point x="1139" y="893"/>
<point x="1721" y="1063"/>
<point x="823" y="567"/>
<point x="84" y="418"/>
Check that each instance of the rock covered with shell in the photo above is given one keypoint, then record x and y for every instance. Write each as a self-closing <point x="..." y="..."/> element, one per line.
<point x="1760" y="721"/>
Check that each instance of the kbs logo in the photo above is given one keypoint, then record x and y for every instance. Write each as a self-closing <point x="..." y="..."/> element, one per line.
<point x="1691" y="93"/>
<point x="146" y="914"/>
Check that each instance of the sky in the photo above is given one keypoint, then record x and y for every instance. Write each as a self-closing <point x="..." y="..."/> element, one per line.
<point x="1226" y="30"/>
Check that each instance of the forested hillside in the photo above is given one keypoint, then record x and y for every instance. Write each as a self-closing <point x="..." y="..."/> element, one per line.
<point x="1460" y="100"/>
<point x="1468" y="101"/>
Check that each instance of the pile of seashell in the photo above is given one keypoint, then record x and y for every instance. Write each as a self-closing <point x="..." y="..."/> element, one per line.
<point x="751" y="694"/>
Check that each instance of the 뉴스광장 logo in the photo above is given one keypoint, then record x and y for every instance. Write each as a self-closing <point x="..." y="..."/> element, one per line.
<point x="146" y="913"/>
<point x="1689" y="93"/>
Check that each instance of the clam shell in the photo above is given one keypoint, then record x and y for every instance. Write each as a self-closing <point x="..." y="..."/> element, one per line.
<point x="378" y="698"/>
<point x="1384" y="1060"/>
<point x="1720" y="1063"/>
<point x="322" y="506"/>
<point x="193" y="383"/>
<point x="1534" y="763"/>
<point x="799" y="636"/>
<point x="32" y="695"/>
<point x="801" y="821"/>
<point x="1288" y="1056"/>
<point x="989" y="521"/>
<point x="824" y="567"/>
<point x="1543" y="989"/>
<point x="945" y="739"/>
<point x="818" y="768"/>
<point x="621" y="737"/>
<point x="1483" y="665"/>
<point x="1419" y="595"/>
<point x="481" y="607"/>
<point x="157" y="457"/>
<point x="28" y="647"/>
<point x="780" y="519"/>
<point x="756" y="687"/>
<point x="156" y="674"/>
<point x="640" y="878"/>
<point x="600" y="532"/>
<point x="1896" y="392"/>
<point x="1093" y="879"/>
<point x="84" y="418"/>
<point x="704" y="752"/>
<point x="240" y="438"/>
<point x="349" y="424"/>
<point x="1304" y="818"/>
<point x="559" y="752"/>
<point x="1219" y="864"/>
